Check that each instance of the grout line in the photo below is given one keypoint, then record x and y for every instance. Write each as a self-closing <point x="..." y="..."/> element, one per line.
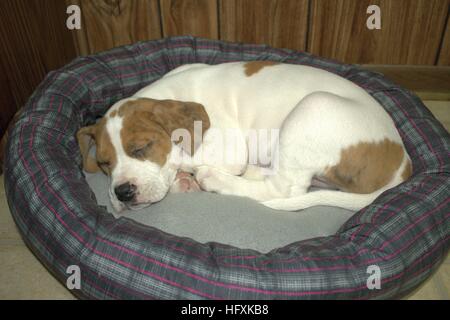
<point x="218" y="12"/>
<point x="443" y="34"/>
<point x="308" y="25"/>
<point x="161" y="22"/>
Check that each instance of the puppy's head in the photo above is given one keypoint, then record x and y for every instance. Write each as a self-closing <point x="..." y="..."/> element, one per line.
<point x="133" y="146"/>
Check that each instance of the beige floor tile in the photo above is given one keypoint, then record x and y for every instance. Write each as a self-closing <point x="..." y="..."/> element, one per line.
<point x="8" y="229"/>
<point x="23" y="277"/>
<point x="426" y="291"/>
<point x="444" y="278"/>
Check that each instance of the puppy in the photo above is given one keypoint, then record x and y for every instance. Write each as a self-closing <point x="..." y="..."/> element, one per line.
<point x="258" y="129"/>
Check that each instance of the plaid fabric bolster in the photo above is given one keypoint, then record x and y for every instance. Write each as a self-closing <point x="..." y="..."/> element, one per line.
<point x="404" y="233"/>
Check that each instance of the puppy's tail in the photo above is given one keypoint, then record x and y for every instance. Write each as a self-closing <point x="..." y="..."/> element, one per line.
<point x="350" y="201"/>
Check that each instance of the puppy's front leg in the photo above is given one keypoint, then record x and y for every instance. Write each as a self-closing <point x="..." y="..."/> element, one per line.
<point x="213" y="180"/>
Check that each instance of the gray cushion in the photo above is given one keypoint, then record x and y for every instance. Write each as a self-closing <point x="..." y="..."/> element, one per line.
<point x="237" y="221"/>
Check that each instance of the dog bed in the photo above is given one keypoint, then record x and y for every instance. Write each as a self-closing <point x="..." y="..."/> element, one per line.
<point x="238" y="221"/>
<point x="404" y="232"/>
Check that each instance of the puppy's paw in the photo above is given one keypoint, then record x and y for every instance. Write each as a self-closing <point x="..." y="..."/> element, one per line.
<point x="211" y="180"/>
<point x="201" y="173"/>
<point x="184" y="183"/>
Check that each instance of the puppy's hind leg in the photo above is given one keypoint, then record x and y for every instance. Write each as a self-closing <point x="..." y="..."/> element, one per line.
<point x="253" y="172"/>
<point x="268" y="188"/>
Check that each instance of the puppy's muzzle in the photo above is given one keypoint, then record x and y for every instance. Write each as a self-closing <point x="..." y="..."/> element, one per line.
<point x="125" y="192"/>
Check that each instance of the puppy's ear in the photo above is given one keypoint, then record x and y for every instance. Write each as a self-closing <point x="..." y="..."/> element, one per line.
<point x="86" y="139"/>
<point x="173" y="115"/>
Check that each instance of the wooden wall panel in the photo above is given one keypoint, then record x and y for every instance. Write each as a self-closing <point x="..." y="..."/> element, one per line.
<point x="33" y="41"/>
<point x="7" y="102"/>
<point x="279" y="23"/>
<point x="444" y="53"/>
<point x="23" y="62"/>
<point x="189" y="17"/>
<point x="111" y="23"/>
<point x="410" y="31"/>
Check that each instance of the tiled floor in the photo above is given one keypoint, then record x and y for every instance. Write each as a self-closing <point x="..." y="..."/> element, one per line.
<point x="23" y="277"/>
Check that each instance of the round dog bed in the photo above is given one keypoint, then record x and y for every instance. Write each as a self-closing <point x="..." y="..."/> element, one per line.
<point x="404" y="233"/>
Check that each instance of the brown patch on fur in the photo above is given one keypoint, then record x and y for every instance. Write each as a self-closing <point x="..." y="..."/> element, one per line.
<point x="366" y="167"/>
<point x="253" y="67"/>
<point x="106" y="158"/>
<point x="113" y="114"/>
<point x="143" y="139"/>
<point x="407" y="171"/>
<point x="148" y="125"/>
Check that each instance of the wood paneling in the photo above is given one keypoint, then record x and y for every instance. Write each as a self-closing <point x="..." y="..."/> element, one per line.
<point x="50" y="35"/>
<point x="444" y="54"/>
<point x="7" y="102"/>
<point x="279" y="23"/>
<point x="22" y="60"/>
<point x="111" y="23"/>
<point x="410" y="31"/>
<point x="189" y="17"/>
<point x="33" y="41"/>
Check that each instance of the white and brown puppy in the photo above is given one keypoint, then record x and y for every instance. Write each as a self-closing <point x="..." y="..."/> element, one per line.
<point x="329" y="129"/>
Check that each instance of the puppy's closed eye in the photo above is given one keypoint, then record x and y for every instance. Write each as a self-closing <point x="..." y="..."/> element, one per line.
<point x="140" y="151"/>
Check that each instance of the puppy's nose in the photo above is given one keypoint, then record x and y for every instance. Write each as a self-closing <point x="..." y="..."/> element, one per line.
<point x="125" y="192"/>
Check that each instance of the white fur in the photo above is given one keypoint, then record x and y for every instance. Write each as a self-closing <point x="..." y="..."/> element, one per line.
<point x="318" y="114"/>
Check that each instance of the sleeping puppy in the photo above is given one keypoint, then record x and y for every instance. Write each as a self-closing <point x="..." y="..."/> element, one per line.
<point x="132" y="146"/>
<point x="258" y="129"/>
